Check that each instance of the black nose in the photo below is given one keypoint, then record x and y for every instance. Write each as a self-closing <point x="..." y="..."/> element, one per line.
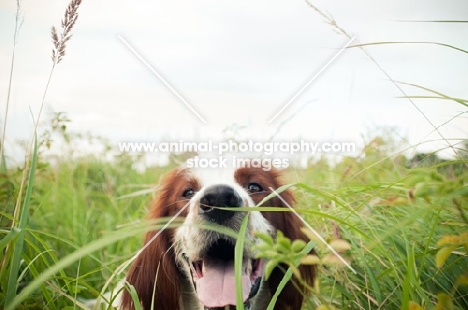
<point x="219" y="196"/>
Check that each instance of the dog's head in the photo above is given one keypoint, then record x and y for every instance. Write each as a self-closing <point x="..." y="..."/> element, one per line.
<point x="194" y="264"/>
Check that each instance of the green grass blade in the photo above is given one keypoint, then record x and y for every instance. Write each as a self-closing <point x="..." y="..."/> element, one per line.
<point x="272" y="195"/>
<point x="23" y="221"/>
<point x="422" y="42"/>
<point x="434" y="21"/>
<point x="9" y="237"/>
<point x="287" y="276"/>
<point x="408" y="280"/>
<point x="238" y="258"/>
<point x="321" y="193"/>
<point x="442" y="96"/>
<point x="70" y="259"/>
<point x="133" y="293"/>
<point x="375" y="285"/>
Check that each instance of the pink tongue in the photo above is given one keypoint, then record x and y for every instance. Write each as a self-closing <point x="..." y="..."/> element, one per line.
<point x="217" y="287"/>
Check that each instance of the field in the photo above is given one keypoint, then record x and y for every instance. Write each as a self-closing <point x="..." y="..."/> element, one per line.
<point x="68" y="224"/>
<point x="406" y="222"/>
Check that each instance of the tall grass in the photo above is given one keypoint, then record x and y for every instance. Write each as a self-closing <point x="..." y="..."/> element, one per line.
<point x="75" y="221"/>
<point x="79" y="230"/>
<point x="394" y="235"/>
<point x="19" y="231"/>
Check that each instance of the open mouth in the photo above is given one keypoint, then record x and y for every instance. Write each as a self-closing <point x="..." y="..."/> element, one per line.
<point x="215" y="279"/>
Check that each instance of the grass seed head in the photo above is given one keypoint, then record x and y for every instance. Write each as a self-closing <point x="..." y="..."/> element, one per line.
<point x="68" y="21"/>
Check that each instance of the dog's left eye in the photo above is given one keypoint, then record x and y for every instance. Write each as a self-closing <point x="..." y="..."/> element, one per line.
<point x="188" y="193"/>
<point x="254" y="188"/>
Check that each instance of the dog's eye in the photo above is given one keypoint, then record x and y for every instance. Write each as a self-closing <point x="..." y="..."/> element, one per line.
<point x="188" y="193"/>
<point x="254" y="188"/>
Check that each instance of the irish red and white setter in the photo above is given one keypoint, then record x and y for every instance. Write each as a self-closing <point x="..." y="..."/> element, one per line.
<point x="191" y="267"/>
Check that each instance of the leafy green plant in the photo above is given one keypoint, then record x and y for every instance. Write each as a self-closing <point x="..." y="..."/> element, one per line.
<point x="283" y="251"/>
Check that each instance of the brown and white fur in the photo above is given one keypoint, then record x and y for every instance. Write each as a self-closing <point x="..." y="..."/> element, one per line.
<point x="178" y="268"/>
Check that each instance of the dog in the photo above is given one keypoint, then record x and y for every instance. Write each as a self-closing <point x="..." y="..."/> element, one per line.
<point x="191" y="267"/>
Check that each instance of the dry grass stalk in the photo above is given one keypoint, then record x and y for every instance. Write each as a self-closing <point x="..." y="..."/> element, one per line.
<point x="68" y="21"/>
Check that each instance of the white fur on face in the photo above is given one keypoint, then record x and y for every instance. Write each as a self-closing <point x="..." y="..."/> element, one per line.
<point x="190" y="240"/>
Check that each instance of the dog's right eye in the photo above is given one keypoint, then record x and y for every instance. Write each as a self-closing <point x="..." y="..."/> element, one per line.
<point x="254" y="188"/>
<point x="188" y="193"/>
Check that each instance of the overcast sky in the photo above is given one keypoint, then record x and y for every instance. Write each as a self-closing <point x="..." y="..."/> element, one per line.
<point x="238" y="63"/>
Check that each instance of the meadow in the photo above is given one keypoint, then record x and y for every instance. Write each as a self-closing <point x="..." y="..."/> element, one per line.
<point x="69" y="224"/>
<point x="79" y="219"/>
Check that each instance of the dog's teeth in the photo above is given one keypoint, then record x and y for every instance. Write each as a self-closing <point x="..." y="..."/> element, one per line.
<point x="248" y="267"/>
<point x="197" y="267"/>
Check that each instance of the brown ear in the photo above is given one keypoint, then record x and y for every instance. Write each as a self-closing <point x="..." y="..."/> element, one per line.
<point x="293" y="293"/>
<point x="154" y="271"/>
